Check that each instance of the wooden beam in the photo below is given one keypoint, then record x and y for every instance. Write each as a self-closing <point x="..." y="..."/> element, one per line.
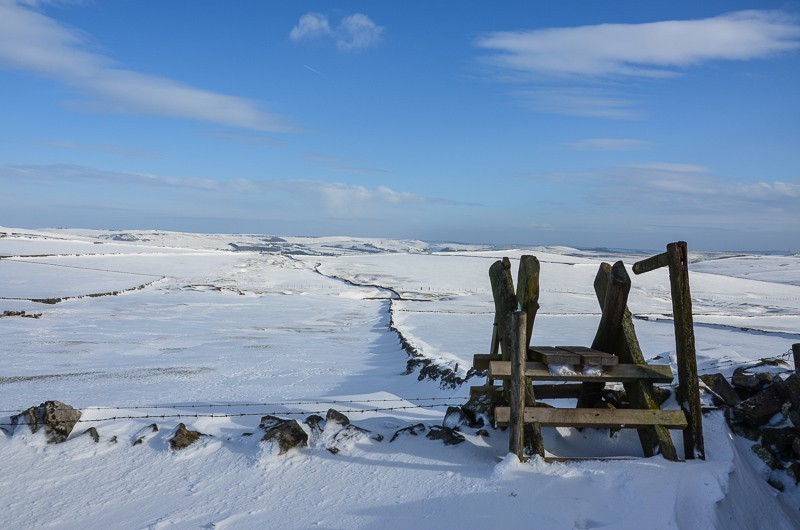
<point x="528" y="292"/>
<point x="553" y="355"/>
<point x="597" y="418"/>
<point x="688" y="392"/>
<point x="609" y="329"/>
<point x="640" y="393"/>
<point x="590" y="356"/>
<point x="652" y="263"/>
<point x="480" y="361"/>
<point x="621" y="373"/>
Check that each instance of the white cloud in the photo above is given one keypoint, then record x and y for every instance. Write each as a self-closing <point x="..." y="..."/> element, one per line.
<point x="565" y="66"/>
<point x="33" y="42"/>
<point x="354" y="32"/>
<point x="609" y="144"/>
<point x="311" y="26"/>
<point x="656" y="49"/>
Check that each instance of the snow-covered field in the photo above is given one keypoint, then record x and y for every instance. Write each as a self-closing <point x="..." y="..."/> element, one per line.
<point x="223" y="329"/>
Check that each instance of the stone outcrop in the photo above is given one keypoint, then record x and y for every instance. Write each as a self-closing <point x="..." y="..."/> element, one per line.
<point x="57" y="419"/>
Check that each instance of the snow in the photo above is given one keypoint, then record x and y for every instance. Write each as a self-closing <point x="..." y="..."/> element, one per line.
<point x="293" y="326"/>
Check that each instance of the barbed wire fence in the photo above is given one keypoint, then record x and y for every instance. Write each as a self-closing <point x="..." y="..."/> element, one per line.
<point x="438" y="402"/>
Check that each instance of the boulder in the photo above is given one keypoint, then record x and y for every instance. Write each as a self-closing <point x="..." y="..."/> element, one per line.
<point x="758" y="409"/>
<point x="92" y="432"/>
<point x="58" y="420"/>
<point x="287" y="434"/>
<point x="780" y="440"/>
<point x="412" y="430"/>
<point x="446" y="434"/>
<point x="315" y="423"/>
<point x="748" y="383"/>
<point x="722" y="391"/>
<point x="183" y="438"/>
<point x="789" y="388"/>
<point x="766" y="456"/>
<point x="336" y="417"/>
<point x="454" y="418"/>
<point x="145" y="433"/>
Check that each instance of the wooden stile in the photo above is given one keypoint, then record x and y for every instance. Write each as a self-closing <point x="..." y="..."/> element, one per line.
<point x="640" y="393"/>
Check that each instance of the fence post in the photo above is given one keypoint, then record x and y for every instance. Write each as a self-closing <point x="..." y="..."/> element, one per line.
<point x="688" y="392"/>
<point x="796" y="355"/>
<point x="516" y="437"/>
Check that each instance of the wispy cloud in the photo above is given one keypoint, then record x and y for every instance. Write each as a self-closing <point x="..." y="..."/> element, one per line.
<point x="609" y="144"/>
<point x="343" y="200"/>
<point x="565" y="63"/>
<point x="244" y="138"/>
<point x="116" y="150"/>
<point x="342" y="165"/>
<point x="33" y="42"/>
<point x="354" y="32"/>
<point x="655" y="49"/>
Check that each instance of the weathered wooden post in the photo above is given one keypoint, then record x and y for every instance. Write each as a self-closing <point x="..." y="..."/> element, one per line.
<point x="640" y="393"/>
<point x="796" y="355"/>
<point x="505" y="302"/>
<point x="608" y="331"/>
<point x="518" y="350"/>
<point x="528" y="292"/>
<point x="688" y="392"/>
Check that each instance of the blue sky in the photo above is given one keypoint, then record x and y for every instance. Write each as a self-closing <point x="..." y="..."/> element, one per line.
<point x="621" y="124"/>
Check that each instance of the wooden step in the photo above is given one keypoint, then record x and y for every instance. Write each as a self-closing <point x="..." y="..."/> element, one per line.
<point x="553" y="355"/>
<point x="591" y="356"/>
<point x="598" y="418"/>
<point x="621" y="373"/>
<point x="480" y="361"/>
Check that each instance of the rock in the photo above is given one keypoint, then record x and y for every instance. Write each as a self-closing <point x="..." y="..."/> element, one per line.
<point x="789" y="388"/>
<point x="412" y="430"/>
<point x="143" y="434"/>
<point x="91" y="431"/>
<point x="794" y="471"/>
<point x="748" y="383"/>
<point x="482" y="432"/>
<point x="446" y="434"/>
<point x="337" y="417"/>
<point x="481" y="408"/>
<point x="617" y="398"/>
<point x="722" y="391"/>
<point x="314" y="423"/>
<point x="758" y="409"/>
<point x="58" y="420"/>
<point x="775" y="483"/>
<point x="751" y="433"/>
<point x="661" y="394"/>
<point x="112" y="440"/>
<point x="286" y="433"/>
<point x="794" y="417"/>
<point x="796" y="446"/>
<point x="454" y="418"/>
<point x="780" y="440"/>
<point x="183" y="438"/>
<point x="766" y="456"/>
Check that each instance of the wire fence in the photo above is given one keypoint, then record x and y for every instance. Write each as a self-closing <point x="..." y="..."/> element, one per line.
<point x="438" y="402"/>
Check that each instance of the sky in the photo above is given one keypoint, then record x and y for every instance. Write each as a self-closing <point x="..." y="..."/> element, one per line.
<point x="622" y="124"/>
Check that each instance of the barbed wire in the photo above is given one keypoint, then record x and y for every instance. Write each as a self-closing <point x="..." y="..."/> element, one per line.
<point x="269" y="404"/>
<point x="244" y="414"/>
<point x="18" y="260"/>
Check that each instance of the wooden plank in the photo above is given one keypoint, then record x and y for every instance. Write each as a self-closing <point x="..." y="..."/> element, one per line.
<point x="688" y="391"/>
<point x="480" y="361"/>
<point x="597" y="418"/>
<point x="621" y="373"/>
<point x="528" y="292"/>
<point x="553" y="355"/>
<point x="640" y="393"/>
<point x="484" y="389"/>
<point x="591" y="356"/>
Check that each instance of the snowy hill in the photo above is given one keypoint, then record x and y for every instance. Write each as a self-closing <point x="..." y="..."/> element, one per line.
<point x="216" y="331"/>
